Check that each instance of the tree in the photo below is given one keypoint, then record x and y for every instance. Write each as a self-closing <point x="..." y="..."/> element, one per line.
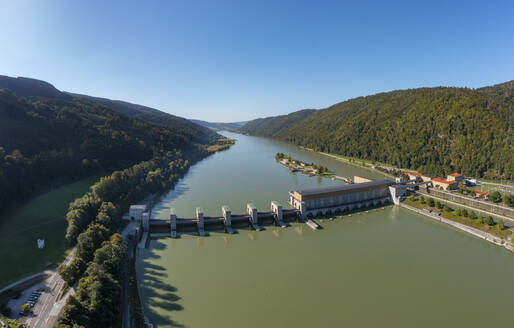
<point x="495" y="196"/>
<point x="447" y="208"/>
<point x="509" y="200"/>
<point x="465" y="213"/>
<point x="489" y="221"/>
<point x="412" y="198"/>
<point x="438" y="204"/>
<point x="480" y="219"/>
<point x="501" y="225"/>
<point x="422" y="199"/>
<point x="430" y="202"/>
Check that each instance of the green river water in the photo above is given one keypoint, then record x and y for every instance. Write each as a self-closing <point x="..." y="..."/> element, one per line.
<point x="385" y="268"/>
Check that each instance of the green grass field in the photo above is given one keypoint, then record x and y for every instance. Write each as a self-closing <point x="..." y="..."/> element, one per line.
<point x="42" y="216"/>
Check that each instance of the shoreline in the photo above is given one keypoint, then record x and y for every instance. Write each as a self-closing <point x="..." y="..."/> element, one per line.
<point x="351" y="163"/>
<point x="475" y="232"/>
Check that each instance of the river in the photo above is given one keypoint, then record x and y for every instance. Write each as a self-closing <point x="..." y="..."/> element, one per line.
<point x="387" y="267"/>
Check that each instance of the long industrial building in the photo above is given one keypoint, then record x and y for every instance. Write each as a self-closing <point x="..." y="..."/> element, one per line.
<point x="332" y="200"/>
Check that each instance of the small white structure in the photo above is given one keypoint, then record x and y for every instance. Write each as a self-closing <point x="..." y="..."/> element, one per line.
<point x="173" y="223"/>
<point x="145" y="221"/>
<point x="40" y="243"/>
<point x="200" y="221"/>
<point x="276" y="208"/>
<point x="136" y="212"/>
<point x="227" y="218"/>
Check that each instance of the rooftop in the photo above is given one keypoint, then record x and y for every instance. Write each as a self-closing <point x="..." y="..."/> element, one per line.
<point x="455" y="175"/>
<point x="138" y="207"/>
<point x="443" y="181"/>
<point x="412" y="173"/>
<point x="356" y="186"/>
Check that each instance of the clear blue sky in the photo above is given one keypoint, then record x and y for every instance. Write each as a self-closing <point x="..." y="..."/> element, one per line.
<point x="238" y="60"/>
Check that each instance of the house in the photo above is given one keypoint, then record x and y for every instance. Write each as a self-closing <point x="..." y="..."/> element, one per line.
<point x="444" y="184"/>
<point x="427" y="177"/>
<point x="414" y="176"/>
<point x="455" y="177"/>
<point x="481" y="193"/>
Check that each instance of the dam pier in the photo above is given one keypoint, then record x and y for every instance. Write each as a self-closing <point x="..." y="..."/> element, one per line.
<point x="306" y="205"/>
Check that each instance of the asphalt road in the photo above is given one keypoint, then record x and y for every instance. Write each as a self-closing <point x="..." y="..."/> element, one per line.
<point x="47" y="309"/>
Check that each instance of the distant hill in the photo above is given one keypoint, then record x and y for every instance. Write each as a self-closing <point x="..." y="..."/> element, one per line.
<point x="27" y="87"/>
<point x="185" y="127"/>
<point x="271" y="126"/>
<point x="32" y="88"/>
<point x="219" y="126"/>
<point x="434" y="130"/>
<point x="48" y="135"/>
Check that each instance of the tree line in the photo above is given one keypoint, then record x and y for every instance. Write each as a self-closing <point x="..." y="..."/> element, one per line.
<point x="93" y="222"/>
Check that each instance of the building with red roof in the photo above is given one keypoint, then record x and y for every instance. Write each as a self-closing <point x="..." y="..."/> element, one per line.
<point x="455" y="177"/>
<point x="444" y="184"/>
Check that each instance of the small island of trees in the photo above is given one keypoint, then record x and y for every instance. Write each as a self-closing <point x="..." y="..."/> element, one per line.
<point x="295" y="165"/>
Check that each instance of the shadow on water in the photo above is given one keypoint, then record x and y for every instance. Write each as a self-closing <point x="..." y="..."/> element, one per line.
<point x="162" y="298"/>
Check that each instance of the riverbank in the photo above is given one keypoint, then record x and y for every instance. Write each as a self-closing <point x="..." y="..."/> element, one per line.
<point x="478" y="233"/>
<point x="363" y="164"/>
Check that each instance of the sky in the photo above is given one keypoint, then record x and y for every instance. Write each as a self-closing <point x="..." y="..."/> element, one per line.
<point x="227" y="61"/>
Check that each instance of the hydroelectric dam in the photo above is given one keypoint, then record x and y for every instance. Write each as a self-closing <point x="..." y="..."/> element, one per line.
<point x="306" y="205"/>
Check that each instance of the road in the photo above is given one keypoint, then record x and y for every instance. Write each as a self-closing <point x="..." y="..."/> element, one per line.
<point x="129" y="246"/>
<point x="47" y="309"/>
<point x="505" y="218"/>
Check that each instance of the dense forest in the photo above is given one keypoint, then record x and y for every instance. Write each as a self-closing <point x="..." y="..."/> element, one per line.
<point x="92" y="224"/>
<point x="432" y="130"/>
<point x="47" y="136"/>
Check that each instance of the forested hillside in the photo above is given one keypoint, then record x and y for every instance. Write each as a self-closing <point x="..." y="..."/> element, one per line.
<point x="270" y="126"/>
<point x="46" y="139"/>
<point x="178" y="125"/>
<point x="32" y="89"/>
<point x="433" y="130"/>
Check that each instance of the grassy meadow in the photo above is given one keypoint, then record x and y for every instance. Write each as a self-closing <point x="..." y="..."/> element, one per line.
<point x="40" y="217"/>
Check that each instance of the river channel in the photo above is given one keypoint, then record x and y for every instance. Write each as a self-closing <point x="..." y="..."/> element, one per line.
<point x="388" y="267"/>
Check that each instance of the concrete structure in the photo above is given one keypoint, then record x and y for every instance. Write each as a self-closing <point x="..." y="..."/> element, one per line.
<point x="455" y="177"/>
<point x="145" y="221"/>
<point x="227" y="218"/>
<point x="40" y="243"/>
<point x="173" y="224"/>
<point x="200" y="221"/>
<point x="334" y="200"/>
<point x="251" y="211"/>
<point x="398" y="193"/>
<point x="276" y="208"/>
<point x="444" y="184"/>
<point x="358" y="179"/>
<point x="136" y="212"/>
